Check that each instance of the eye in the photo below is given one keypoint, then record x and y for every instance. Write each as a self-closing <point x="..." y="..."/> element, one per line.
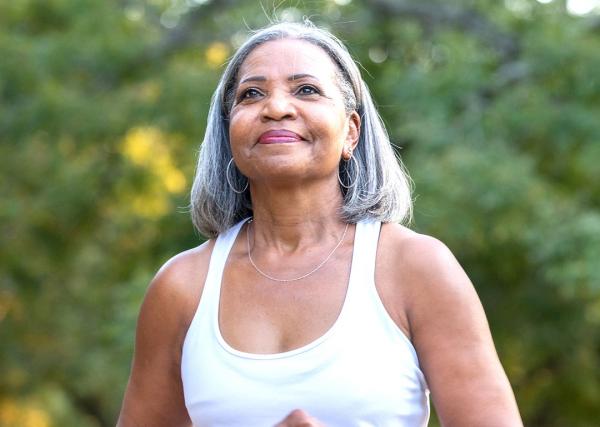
<point x="307" y="90"/>
<point x="249" y="93"/>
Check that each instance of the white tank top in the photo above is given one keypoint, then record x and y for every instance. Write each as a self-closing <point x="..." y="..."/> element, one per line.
<point x="362" y="372"/>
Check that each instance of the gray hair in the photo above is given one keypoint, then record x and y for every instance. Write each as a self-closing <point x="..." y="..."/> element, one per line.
<point x="381" y="188"/>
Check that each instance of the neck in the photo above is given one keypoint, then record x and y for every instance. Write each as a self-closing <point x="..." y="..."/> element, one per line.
<point x="289" y="219"/>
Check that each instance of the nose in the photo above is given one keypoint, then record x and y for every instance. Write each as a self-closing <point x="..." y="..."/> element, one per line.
<point x="278" y="106"/>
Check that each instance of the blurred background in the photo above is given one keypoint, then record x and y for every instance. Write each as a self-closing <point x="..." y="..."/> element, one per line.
<point x="495" y="108"/>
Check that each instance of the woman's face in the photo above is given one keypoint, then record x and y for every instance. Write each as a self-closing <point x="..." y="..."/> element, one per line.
<point x="288" y="123"/>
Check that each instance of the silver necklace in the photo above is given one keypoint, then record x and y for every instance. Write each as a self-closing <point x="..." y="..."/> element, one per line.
<point x="275" y="279"/>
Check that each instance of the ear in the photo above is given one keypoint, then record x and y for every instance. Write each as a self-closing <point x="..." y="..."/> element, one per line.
<point x="353" y="134"/>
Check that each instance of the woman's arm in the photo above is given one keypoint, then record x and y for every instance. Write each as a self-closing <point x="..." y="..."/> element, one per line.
<point x="452" y="338"/>
<point x="154" y="394"/>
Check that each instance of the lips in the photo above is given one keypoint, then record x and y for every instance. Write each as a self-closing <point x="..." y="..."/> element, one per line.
<point x="280" y="136"/>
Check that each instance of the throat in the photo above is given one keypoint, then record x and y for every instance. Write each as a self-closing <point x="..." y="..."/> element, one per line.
<point x="290" y="278"/>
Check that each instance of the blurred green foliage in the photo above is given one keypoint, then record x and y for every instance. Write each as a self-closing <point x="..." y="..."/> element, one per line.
<point x="496" y="106"/>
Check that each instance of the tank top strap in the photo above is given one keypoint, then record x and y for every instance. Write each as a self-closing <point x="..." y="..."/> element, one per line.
<point x="362" y="273"/>
<point x="365" y="246"/>
<point x="218" y="258"/>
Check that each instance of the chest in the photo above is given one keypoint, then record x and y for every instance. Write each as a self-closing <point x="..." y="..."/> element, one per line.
<point x="258" y="315"/>
<point x="360" y="373"/>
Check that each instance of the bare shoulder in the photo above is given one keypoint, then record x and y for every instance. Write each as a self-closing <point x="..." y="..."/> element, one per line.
<point x="178" y="270"/>
<point x="434" y="288"/>
<point x="172" y="298"/>
<point x="414" y="273"/>
<point x="425" y="266"/>
<point x="179" y="282"/>
<point x="417" y="254"/>
<point x="186" y="263"/>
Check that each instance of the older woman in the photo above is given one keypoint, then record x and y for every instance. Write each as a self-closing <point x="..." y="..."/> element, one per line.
<point x="310" y="305"/>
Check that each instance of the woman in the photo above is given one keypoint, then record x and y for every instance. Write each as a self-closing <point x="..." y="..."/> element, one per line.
<point x="310" y="305"/>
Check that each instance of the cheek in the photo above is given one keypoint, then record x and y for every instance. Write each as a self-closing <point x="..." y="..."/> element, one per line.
<point x="330" y="128"/>
<point x="238" y="127"/>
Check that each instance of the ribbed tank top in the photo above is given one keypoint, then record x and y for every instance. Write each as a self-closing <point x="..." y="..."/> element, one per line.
<point x="362" y="372"/>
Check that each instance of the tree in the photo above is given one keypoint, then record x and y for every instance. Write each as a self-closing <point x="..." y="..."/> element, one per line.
<point x="494" y="108"/>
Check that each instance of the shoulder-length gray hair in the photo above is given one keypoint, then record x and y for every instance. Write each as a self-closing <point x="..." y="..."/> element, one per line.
<point x="381" y="188"/>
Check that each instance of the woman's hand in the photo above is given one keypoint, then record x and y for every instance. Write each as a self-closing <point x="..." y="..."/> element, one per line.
<point x="299" y="418"/>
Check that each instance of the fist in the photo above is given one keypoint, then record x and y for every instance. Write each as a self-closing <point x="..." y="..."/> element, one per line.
<point x="299" y="418"/>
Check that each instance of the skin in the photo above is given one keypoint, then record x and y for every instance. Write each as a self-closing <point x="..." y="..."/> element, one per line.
<point x="296" y="197"/>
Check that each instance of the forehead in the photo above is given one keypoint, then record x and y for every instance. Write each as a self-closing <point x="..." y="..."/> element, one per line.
<point x="287" y="57"/>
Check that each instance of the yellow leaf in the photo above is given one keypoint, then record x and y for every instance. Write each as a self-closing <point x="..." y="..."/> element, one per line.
<point x="216" y="54"/>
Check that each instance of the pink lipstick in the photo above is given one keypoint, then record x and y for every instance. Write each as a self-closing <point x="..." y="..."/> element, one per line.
<point x="280" y="136"/>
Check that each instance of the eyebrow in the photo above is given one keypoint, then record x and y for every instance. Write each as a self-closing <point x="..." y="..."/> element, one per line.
<point x="290" y="78"/>
<point x="254" y="79"/>
<point x="300" y="76"/>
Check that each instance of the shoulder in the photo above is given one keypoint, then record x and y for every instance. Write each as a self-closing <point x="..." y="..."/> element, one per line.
<point x="179" y="282"/>
<point x="437" y="295"/>
<point x="424" y="277"/>
<point x="414" y="250"/>
<point x="181" y="270"/>
<point x="422" y="261"/>
<point x="172" y="297"/>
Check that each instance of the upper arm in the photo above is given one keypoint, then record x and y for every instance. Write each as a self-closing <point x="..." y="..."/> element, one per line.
<point x="154" y="394"/>
<point x="453" y="341"/>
